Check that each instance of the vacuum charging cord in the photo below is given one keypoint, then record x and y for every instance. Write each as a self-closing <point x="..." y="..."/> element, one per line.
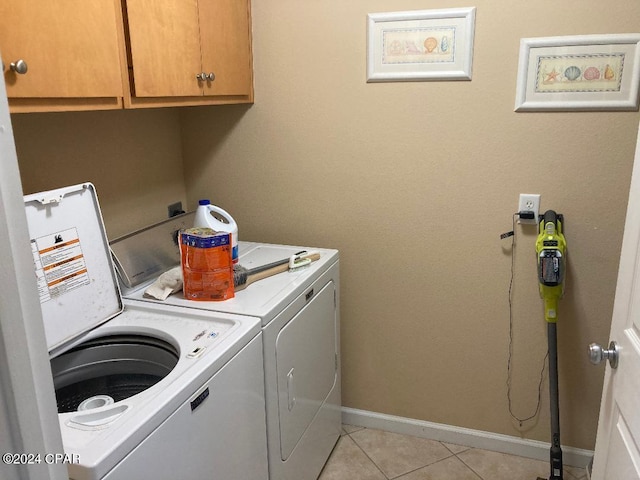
<point x="520" y="420"/>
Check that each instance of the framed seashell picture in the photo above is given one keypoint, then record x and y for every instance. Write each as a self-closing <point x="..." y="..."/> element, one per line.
<point x="587" y="72"/>
<point x="420" y="45"/>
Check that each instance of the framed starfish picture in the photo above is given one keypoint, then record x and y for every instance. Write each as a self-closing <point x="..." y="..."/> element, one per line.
<point x="587" y="72"/>
<point x="420" y="45"/>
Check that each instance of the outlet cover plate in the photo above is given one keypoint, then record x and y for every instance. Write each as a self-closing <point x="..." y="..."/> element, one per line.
<point x="174" y="209"/>
<point x="529" y="202"/>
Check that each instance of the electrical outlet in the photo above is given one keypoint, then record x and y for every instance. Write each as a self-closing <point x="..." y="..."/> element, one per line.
<point x="175" y="209"/>
<point x="529" y="202"/>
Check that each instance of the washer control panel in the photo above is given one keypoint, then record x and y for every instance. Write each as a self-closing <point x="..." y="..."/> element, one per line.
<point x="203" y="340"/>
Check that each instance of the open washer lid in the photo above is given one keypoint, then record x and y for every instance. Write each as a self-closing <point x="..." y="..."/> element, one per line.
<point x="76" y="280"/>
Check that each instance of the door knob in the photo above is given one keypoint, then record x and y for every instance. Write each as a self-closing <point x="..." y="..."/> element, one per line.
<point x="597" y="354"/>
<point x="19" y="66"/>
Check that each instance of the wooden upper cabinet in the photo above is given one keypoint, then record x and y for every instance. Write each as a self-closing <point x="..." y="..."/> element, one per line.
<point x="103" y="54"/>
<point x="225" y="38"/>
<point x="72" y="51"/>
<point x="165" y="47"/>
<point x="189" y="52"/>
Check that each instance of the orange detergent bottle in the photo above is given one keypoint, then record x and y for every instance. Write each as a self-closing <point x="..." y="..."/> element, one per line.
<point x="207" y="266"/>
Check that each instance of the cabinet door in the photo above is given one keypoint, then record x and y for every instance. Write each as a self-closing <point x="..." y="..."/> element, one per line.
<point x="71" y="48"/>
<point x="165" y="47"/>
<point x="225" y="39"/>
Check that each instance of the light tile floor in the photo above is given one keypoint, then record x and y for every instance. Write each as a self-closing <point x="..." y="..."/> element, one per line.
<point x="367" y="454"/>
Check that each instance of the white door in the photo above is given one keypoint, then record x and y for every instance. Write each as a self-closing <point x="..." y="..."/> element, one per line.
<point x="617" y="453"/>
<point x="28" y="414"/>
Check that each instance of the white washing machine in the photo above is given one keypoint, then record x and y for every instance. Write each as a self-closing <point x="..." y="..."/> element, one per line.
<point x="300" y="319"/>
<point x="143" y="391"/>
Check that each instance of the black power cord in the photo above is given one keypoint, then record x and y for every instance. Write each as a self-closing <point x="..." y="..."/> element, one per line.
<point x="521" y="421"/>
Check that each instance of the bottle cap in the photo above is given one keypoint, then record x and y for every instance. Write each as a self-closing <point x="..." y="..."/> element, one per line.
<point x="204" y="202"/>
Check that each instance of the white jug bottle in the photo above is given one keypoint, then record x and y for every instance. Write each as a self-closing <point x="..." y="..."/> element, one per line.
<point x="204" y="219"/>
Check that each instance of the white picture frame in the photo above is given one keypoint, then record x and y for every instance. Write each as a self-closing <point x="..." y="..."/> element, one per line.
<point x="573" y="73"/>
<point x="420" y="45"/>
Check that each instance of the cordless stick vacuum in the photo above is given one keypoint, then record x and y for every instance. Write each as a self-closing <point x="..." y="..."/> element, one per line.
<point x="551" y="249"/>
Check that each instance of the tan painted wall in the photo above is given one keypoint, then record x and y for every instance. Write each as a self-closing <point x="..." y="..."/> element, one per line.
<point x="414" y="182"/>
<point x="133" y="157"/>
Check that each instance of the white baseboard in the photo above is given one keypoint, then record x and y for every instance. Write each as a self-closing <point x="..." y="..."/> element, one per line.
<point x="467" y="437"/>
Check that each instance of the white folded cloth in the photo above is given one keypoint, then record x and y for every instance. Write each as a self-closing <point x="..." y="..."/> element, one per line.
<point x="166" y="284"/>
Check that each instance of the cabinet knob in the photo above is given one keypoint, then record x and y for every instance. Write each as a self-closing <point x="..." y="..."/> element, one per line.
<point x="19" y="66"/>
<point x="201" y="77"/>
<point x="211" y="77"/>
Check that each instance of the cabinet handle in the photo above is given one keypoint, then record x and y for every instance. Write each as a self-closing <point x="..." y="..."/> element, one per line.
<point x="204" y="77"/>
<point x="19" y="67"/>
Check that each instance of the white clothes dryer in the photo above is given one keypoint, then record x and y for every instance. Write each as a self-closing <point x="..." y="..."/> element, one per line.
<point x="143" y="391"/>
<point x="300" y="319"/>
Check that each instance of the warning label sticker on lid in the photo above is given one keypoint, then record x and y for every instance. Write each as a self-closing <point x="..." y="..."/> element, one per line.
<point x="60" y="264"/>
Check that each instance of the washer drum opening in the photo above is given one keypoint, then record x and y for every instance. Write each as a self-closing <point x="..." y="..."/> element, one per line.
<point x="117" y="366"/>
